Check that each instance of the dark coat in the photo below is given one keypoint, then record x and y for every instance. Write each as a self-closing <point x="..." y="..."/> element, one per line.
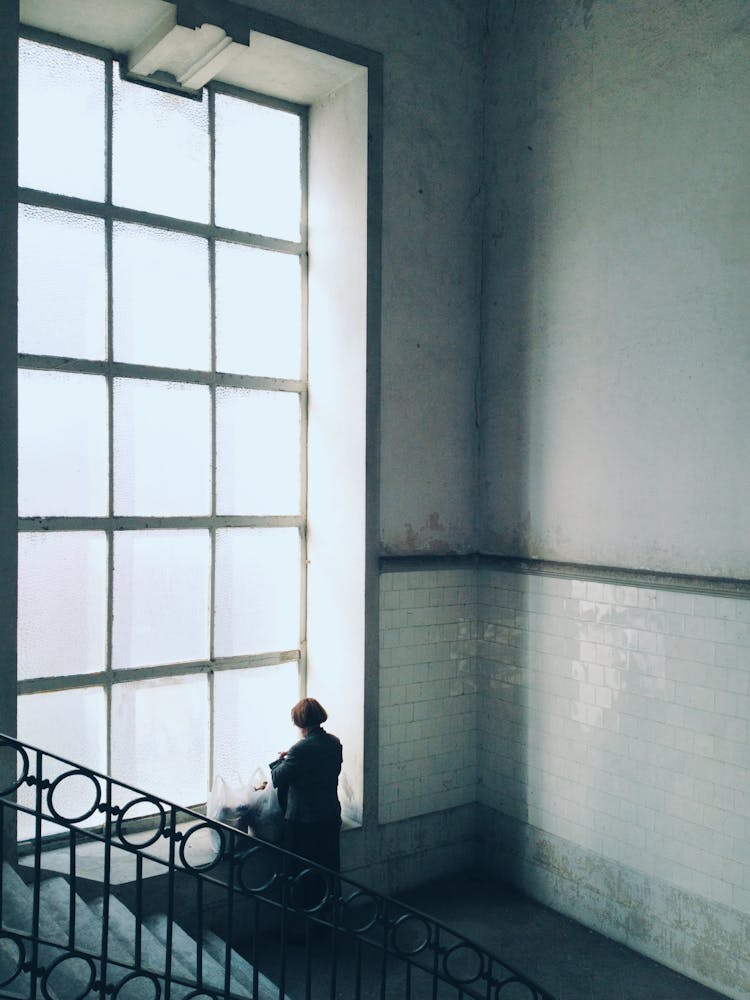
<point x="306" y="779"/>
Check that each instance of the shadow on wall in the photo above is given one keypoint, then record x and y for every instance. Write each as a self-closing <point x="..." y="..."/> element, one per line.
<point x="520" y="180"/>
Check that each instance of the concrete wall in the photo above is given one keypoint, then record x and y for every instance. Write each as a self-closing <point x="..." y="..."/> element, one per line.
<point x="616" y="355"/>
<point x="615" y="413"/>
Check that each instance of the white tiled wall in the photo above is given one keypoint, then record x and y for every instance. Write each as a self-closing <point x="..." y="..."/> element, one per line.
<point x="428" y="692"/>
<point x="618" y="718"/>
<point x="604" y="733"/>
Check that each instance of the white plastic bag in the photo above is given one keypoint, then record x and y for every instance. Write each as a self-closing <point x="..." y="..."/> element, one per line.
<point x="227" y="803"/>
<point x="250" y="806"/>
<point x="351" y="810"/>
<point x="265" y="819"/>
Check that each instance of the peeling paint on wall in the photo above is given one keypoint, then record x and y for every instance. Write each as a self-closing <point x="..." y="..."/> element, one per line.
<point x="433" y="537"/>
<point x="433" y="523"/>
<point x="587" y="6"/>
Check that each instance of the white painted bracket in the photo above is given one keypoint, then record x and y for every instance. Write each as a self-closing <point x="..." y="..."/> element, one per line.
<point x="193" y="56"/>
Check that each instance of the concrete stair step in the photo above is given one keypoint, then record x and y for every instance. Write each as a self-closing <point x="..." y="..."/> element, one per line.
<point x="185" y="951"/>
<point x="73" y="975"/>
<point x="214" y="960"/>
<point x="241" y="968"/>
<point x="55" y="899"/>
<point x="122" y="930"/>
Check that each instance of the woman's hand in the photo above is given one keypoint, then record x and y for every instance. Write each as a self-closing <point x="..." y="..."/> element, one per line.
<point x="282" y="754"/>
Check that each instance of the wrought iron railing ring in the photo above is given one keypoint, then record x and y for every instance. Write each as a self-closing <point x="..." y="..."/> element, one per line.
<point x="152" y="837"/>
<point x="473" y="976"/>
<point x="347" y="906"/>
<point x="69" y="958"/>
<point x="400" y="928"/>
<point x="139" y="978"/>
<point x="23" y="772"/>
<point x="57" y="784"/>
<point x="257" y="853"/>
<point x="20" y="961"/>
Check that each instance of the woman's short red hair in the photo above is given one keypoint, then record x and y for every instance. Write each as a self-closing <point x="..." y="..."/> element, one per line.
<point x="308" y="713"/>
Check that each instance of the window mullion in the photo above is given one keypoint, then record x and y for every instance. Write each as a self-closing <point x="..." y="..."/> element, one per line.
<point x="109" y="111"/>
<point x="212" y="294"/>
<point x="304" y="396"/>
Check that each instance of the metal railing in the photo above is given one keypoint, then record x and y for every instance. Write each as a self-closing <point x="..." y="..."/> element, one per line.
<point x="288" y="928"/>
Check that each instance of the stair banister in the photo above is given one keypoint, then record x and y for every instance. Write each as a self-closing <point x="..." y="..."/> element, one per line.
<point x="352" y="937"/>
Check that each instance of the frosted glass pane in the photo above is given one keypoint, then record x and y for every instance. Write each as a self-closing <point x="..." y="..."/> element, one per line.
<point x="251" y="717"/>
<point x="62" y="603"/>
<point x="61" y="121"/>
<point x="160" y="737"/>
<point x="160" y="153"/>
<point x="258" y="312"/>
<point x="257" y="168"/>
<point x="257" y="452"/>
<point x="62" y="444"/>
<point x="73" y="725"/>
<point x="62" y="293"/>
<point x="161" y="300"/>
<point x="257" y="590"/>
<point x="161" y="597"/>
<point x="162" y="448"/>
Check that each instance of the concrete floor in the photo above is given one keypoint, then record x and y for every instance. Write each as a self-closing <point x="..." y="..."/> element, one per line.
<point x="562" y="956"/>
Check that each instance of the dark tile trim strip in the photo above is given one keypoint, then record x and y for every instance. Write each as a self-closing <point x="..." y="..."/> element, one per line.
<point x="617" y="575"/>
<point x="405" y="564"/>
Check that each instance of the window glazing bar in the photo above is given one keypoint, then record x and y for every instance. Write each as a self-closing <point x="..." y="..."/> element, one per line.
<point x="34" y="34"/>
<point x="253" y="97"/>
<point x="124" y="369"/>
<point x="117" y="213"/>
<point x="133" y="523"/>
<point x="173" y="671"/>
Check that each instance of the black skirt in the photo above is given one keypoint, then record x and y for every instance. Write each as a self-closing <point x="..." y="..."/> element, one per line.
<point x="318" y="842"/>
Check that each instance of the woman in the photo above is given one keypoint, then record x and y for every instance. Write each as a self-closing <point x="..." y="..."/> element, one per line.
<point x="306" y="780"/>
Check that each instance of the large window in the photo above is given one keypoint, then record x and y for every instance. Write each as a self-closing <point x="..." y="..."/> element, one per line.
<point x="162" y="421"/>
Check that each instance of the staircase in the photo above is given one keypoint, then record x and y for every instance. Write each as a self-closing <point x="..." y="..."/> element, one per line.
<point x="70" y="947"/>
<point x="131" y="897"/>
